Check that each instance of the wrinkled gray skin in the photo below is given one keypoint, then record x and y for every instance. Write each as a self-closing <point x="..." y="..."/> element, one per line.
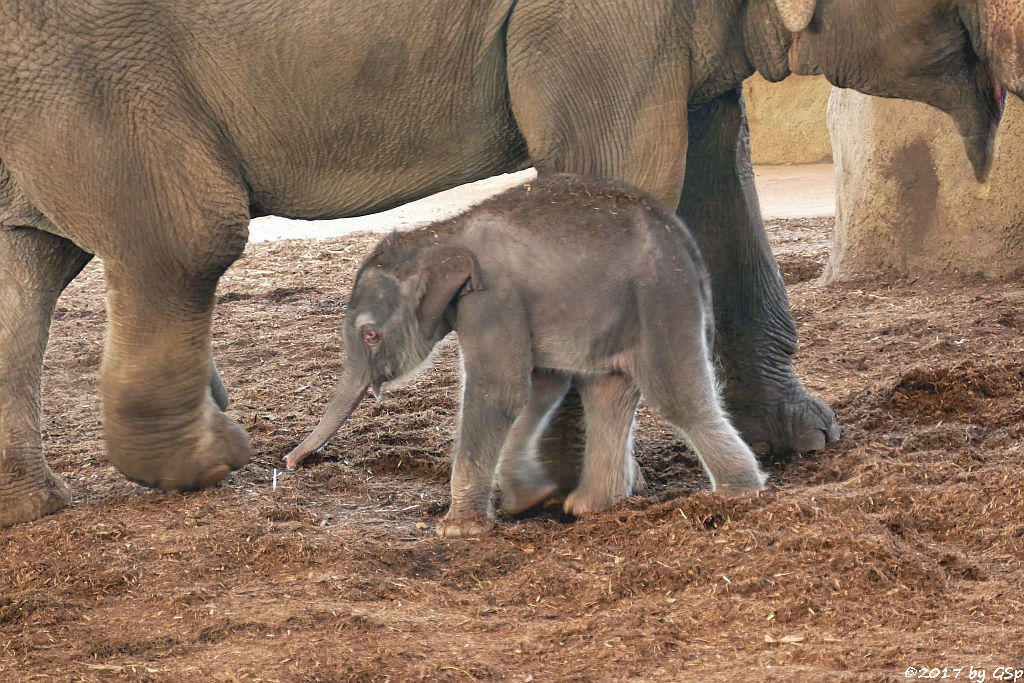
<point x="149" y="133"/>
<point x="632" y="316"/>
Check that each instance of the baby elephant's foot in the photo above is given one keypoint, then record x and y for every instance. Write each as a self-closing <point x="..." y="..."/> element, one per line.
<point x="521" y="497"/>
<point x="639" y="482"/>
<point x="464" y="525"/>
<point x="581" y="502"/>
<point x="750" y="483"/>
<point x="600" y="492"/>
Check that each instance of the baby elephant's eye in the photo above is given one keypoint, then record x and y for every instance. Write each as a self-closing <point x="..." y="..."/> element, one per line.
<point x="370" y="335"/>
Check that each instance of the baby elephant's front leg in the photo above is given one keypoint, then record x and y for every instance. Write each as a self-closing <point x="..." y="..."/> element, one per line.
<point x="496" y="388"/>
<point x="524" y="481"/>
<point x="609" y="470"/>
<point x="488" y="411"/>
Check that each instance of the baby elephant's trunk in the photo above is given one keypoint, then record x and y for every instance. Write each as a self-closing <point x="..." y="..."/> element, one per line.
<point x="347" y="395"/>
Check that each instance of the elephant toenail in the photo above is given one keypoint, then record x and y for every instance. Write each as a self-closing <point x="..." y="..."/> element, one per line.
<point x="810" y="440"/>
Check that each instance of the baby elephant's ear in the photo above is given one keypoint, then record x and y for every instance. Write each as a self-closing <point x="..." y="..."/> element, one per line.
<point x="447" y="272"/>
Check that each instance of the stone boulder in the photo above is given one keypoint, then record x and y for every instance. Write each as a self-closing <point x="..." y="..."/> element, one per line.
<point x="907" y="202"/>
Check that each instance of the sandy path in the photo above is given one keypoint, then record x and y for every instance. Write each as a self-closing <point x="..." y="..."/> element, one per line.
<point x="785" y="192"/>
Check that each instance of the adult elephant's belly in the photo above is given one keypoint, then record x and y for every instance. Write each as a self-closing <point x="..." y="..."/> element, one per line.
<point x="344" y="143"/>
<point x="336" y="109"/>
<point x="363" y="166"/>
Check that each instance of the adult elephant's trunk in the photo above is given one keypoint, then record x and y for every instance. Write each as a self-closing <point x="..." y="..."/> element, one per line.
<point x="977" y="115"/>
<point x="347" y="395"/>
<point x="996" y="29"/>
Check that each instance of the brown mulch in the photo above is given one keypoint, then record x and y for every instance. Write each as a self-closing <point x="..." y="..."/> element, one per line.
<point x="900" y="546"/>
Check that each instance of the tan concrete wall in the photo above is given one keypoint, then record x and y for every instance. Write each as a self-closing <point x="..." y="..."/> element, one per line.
<point x="907" y="200"/>
<point x="787" y="119"/>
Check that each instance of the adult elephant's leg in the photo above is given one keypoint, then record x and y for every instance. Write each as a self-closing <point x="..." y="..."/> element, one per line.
<point x="139" y="173"/>
<point x="598" y="93"/>
<point x="162" y="425"/>
<point x="604" y="103"/>
<point x="755" y="334"/>
<point x="35" y="267"/>
<point x="217" y="388"/>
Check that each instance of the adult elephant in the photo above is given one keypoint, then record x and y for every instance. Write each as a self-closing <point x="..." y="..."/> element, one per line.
<point x="150" y="132"/>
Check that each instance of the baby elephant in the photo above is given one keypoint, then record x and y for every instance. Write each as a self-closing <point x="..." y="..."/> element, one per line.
<point x="558" y="281"/>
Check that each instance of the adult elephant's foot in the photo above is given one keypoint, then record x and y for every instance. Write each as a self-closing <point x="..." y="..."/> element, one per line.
<point x="28" y="490"/>
<point x="201" y="456"/>
<point x="781" y="421"/>
<point x="464" y="525"/>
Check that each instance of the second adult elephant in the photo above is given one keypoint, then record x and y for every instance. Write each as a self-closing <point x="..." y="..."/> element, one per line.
<point x="149" y="133"/>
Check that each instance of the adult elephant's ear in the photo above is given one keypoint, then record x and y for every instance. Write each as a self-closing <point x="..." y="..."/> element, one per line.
<point x="796" y="14"/>
<point x="447" y="273"/>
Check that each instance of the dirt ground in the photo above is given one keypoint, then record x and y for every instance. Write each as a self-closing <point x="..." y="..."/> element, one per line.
<point x="900" y="546"/>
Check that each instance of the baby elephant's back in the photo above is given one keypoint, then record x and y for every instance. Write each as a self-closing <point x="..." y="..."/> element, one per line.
<point x="591" y="262"/>
<point x="569" y="237"/>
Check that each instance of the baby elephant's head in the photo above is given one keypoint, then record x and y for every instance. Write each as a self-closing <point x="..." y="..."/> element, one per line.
<point x="402" y="304"/>
<point x="382" y="333"/>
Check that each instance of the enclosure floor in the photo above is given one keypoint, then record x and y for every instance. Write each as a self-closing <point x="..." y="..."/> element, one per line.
<point x="899" y="546"/>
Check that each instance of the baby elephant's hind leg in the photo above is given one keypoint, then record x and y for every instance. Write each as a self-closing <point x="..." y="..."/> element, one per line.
<point x="609" y="470"/>
<point x="682" y="388"/>
<point x="523" y="480"/>
<point x="724" y="455"/>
